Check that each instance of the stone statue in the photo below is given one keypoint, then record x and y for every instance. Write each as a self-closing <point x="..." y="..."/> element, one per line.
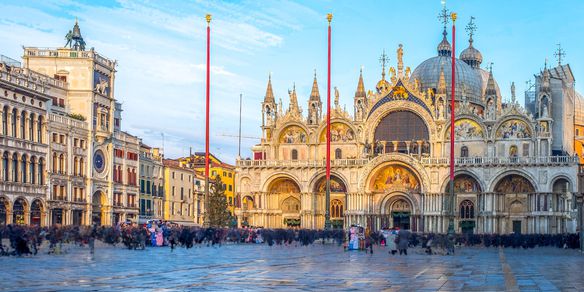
<point x="336" y="97"/>
<point x="440" y="109"/>
<point x="101" y="86"/>
<point x="513" y="92"/>
<point x="544" y="111"/>
<point x="69" y="38"/>
<point x="400" y="54"/>
<point x="491" y="110"/>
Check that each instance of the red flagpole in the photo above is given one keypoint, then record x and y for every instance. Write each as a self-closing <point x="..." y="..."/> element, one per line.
<point x="327" y="221"/>
<point x="208" y="18"/>
<point x="452" y="105"/>
<point x="452" y="92"/>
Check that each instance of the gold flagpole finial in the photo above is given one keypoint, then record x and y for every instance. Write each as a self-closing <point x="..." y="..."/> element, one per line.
<point x="453" y="16"/>
<point x="208" y="18"/>
<point x="329" y="17"/>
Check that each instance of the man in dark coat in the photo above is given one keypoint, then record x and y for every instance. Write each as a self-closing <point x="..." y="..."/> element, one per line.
<point x="403" y="240"/>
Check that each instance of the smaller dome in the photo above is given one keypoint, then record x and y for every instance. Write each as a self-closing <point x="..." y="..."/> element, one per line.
<point x="472" y="56"/>
<point x="444" y="48"/>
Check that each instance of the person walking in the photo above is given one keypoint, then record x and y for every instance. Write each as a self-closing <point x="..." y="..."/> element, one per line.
<point x="403" y="240"/>
<point x="391" y="241"/>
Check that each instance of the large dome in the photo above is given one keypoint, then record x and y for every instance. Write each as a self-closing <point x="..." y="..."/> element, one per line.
<point x="467" y="78"/>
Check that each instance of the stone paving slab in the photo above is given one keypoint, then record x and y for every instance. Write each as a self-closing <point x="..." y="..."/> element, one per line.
<point x="291" y="268"/>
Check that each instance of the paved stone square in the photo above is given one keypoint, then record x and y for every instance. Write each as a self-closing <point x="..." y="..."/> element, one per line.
<point x="317" y="267"/>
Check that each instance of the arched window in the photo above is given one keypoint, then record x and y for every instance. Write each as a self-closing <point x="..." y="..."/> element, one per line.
<point x="5" y="121"/>
<point x="81" y="167"/>
<point x="13" y="122"/>
<point x="464" y="151"/>
<point x="338" y="153"/>
<point x="31" y="127"/>
<point x="129" y="176"/>
<point x="23" y="168"/>
<point x="41" y="170"/>
<point x="14" y="167"/>
<point x="23" y="125"/>
<point x="32" y="170"/>
<point x="62" y="164"/>
<point x="75" y="166"/>
<point x="55" y="163"/>
<point x="336" y="208"/>
<point x="294" y="154"/>
<point x="40" y="130"/>
<point x="5" y="166"/>
<point x="466" y="209"/>
<point x="401" y="126"/>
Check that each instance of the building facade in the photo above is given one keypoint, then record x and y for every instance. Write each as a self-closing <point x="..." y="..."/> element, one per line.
<point x="104" y="187"/>
<point x="25" y="98"/>
<point x="216" y="168"/>
<point x="178" y="197"/>
<point x="151" y="183"/>
<point x="514" y="171"/>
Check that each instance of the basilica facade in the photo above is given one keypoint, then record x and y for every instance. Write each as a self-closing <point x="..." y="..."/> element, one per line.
<point x="515" y="167"/>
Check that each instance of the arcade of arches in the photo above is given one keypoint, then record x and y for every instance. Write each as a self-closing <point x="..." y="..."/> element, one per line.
<point x="390" y="159"/>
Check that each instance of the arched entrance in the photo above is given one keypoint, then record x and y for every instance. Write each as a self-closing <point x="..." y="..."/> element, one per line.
<point x="97" y="204"/>
<point x="36" y="211"/>
<point x="337" y="199"/>
<point x="516" y="189"/>
<point x="466" y="190"/>
<point x="285" y="193"/>
<point x="247" y="205"/>
<point x="401" y="211"/>
<point x="3" y="211"/>
<point x="291" y="212"/>
<point x="18" y="212"/>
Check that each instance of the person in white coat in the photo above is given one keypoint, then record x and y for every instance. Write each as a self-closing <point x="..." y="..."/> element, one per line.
<point x="390" y="241"/>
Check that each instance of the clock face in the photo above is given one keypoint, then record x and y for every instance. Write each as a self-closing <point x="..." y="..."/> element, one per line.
<point x="99" y="161"/>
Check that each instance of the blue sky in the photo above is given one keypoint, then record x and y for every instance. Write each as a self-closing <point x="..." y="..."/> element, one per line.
<point x="160" y="47"/>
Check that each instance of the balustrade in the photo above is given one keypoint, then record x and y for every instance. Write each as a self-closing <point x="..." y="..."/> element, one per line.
<point x="459" y="161"/>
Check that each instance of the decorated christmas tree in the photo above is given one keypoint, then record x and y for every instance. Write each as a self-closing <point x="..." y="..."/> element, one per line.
<point x="218" y="214"/>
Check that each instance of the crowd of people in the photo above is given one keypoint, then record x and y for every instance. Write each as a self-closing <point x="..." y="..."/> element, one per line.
<point x="27" y="240"/>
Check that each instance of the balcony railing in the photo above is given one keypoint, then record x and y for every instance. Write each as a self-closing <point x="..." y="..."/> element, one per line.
<point x="428" y="161"/>
<point x="301" y="163"/>
<point x="68" y="53"/>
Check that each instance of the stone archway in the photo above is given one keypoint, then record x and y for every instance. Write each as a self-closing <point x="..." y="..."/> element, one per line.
<point x="517" y="190"/>
<point x="19" y="211"/>
<point x="284" y="194"/>
<point x="98" y="202"/>
<point x="36" y="213"/>
<point x="338" y="199"/>
<point x="397" y="211"/>
<point x="4" y="207"/>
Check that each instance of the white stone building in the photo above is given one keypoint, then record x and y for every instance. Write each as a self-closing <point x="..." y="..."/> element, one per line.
<point x="390" y="158"/>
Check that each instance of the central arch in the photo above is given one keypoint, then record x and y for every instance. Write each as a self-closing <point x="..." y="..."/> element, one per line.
<point x="397" y="210"/>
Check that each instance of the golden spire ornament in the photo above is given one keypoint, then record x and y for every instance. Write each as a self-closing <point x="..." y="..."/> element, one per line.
<point x="208" y="18"/>
<point x="329" y="17"/>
